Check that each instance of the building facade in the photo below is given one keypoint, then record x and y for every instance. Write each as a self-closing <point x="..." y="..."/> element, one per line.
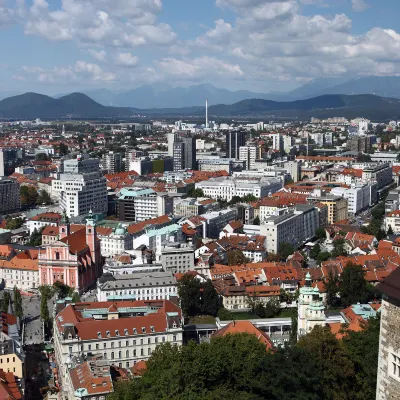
<point x="81" y="187"/>
<point x="388" y="386"/>
<point x="234" y="140"/>
<point x="248" y="155"/>
<point x="74" y="259"/>
<point x="9" y="196"/>
<point x="111" y="162"/>
<point x="136" y="204"/>
<point x="122" y="333"/>
<point x="137" y="286"/>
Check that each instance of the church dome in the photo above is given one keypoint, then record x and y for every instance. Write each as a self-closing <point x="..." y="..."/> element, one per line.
<point x="120" y="230"/>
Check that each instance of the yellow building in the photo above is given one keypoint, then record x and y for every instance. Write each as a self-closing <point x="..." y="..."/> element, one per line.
<point x="337" y="206"/>
<point x="11" y="356"/>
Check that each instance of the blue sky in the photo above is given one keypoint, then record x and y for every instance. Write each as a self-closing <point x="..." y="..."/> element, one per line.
<point x="53" y="46"/>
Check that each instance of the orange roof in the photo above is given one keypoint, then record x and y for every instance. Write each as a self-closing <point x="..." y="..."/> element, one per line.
<point x="47" y="217"/>
<point x="139" y="368"/>
<point x="340" y="330"/>
<point x="245" y="327"/>
<point x="50" y="231"/>
<point x="83" y="377"/>
<point x="8" y="386"/>
<point x="140" y="226"/>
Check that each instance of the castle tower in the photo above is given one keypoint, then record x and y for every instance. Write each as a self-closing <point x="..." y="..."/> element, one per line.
<point x="315" y="313"/>
<point x="63" y="226"/>
<point x="305" y="299"/>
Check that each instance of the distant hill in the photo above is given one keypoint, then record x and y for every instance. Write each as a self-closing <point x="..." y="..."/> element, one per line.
<point x="75" y="105"/>
<point x="78" y="105"/>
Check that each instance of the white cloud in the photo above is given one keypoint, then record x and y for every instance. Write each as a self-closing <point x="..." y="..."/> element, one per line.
<point x="99" y="55"/>
<point x="117" y="23"/>
<point x="198" y="68"/>
<point x="80" y="72"/>
<point x="359" y="5"/>
<point x="127" y="60"/>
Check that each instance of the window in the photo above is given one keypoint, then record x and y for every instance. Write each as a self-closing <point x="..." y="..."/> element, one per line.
<point x="108" y="333"/>
<point x="105" y="345"/>
<point x="394" y="366"/>
<point x="143" y="329"/>
<point x="148" y="340"/>
<point x="127" y="354"/>
<point x="112" y="345"/>
<point x="127" y="343"/>
<point x="141" y="352"/>
<point x="57" y="255"/>
<point x="152" y="328"/>
<point x="112" y="355"/>
<point x="116" y="332"/>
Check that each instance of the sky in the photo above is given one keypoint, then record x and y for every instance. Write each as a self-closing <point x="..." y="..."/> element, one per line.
<point x="59" y="46"/>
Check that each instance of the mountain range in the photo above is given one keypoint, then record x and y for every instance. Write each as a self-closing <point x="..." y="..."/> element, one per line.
<point x="164" y="95"/>
<point x="80" y="106"/>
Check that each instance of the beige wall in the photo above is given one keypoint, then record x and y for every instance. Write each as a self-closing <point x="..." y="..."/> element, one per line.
<point x="12" y="363"/>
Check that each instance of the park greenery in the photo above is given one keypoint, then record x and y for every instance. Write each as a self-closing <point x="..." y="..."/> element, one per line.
<point x="318" y="366"/>
<point x="30" y="197"/>
<point x="14" y="223"/>
<point x="197" y="297"/>
<point x="350" y="288"/>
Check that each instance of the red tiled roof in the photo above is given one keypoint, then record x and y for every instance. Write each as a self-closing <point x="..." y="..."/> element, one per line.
<point x="245" y="327"/>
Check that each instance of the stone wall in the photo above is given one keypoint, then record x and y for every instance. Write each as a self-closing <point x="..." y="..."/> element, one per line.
<point x="388" y="388"/>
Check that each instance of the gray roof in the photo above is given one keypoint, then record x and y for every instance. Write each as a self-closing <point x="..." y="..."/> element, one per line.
<point x="142" y="279"/>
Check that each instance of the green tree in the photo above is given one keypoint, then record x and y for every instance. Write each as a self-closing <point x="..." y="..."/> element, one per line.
<point x="18" y="309"/>
<point x="390" y="230"/>
<point x="44" y="198"/>
<point x="46" y="291"/>
<point x="190" y="296"/>
<point x="315" y="251"/>
<point x="14" y="223"/>
<point x="235" y="200"/>
<point x="76" y="298"/>
<point x="195" y="192"/>
<point x="42" y="157"/>
<point x="210" y="301"/>
<point x="339" y="248"/>
<point x="256" y="220"/>
<point x="323" y="256"/>
<point x="320" y="233"/>
<point x="62" y="290"/>
<point x="63" y="149"/>
<point x="331" y="284"/>
<point x="44" y="310"/>
<point x="272" y="308"/>
<point x="5" y="302"/>
<point x="36" y="238"/>
<point x="285" y="250"/>
<point x="363" y="348"/>
<point x="337" y="369"/>
<point x="353" y="287"/>
<point x="236" y="257"/>
<point x="28" y="195"/>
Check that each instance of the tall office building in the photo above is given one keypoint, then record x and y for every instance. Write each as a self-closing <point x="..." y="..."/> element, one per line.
<point x="81" y="187"/>
<point x="9" y="195"/>
<point x="248" y="154"/>
<point x="184" y="153"/>
<point x="233" y="142"/>
<point x="9" y="157"/>
<point x="171" y="140"/>
<point x="111" y="162"/>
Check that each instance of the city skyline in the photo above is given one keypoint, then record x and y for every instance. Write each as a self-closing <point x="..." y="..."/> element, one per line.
<point x="260" y="45"/>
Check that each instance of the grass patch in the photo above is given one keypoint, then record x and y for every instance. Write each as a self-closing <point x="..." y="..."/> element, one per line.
<point x="287" y="312"/>
<point x="202" y="319"/>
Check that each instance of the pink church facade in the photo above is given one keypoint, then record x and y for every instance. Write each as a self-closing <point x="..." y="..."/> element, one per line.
<point x="74" y="259"/>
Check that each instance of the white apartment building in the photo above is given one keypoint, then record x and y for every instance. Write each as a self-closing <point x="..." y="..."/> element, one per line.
<point x="176" y="257"/>
<point x="294" y="169"/>
<point x="20" y="271"/>
<point x="248" y="155"/>
<point x="81" y="187"/>
<point x="123" y="333"/>
<point x="295" y="227"/>
<point x="227" y="187"/>
<point x="381" y="173"/>
<point x="277" y="141"/>
<point x="41" y="220"/>
<point x="111" y="162"/>
<point x="359" y="196"/>
<point x="136" y="204"/>
<point x="137" y="286"/>
<point x="9" y="195"/>
<point x="114" y="241"/>
<point x="392" y="219"/>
